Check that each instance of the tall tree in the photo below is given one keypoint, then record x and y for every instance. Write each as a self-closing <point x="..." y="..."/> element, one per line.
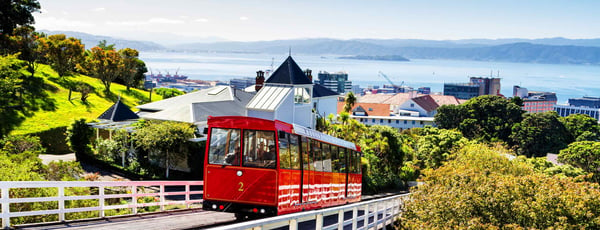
<point x="582" y="127"/>
<point x="539" y="134"/>
<point x="350" y="100"/>
<point x="63" y="54"/>
<point x="104" y="65"/>
<point x="11" y="77"/>
<point x="129" y="67"/>
<point x="583" y="154"/>
<point x="26" y="42"/>
<point x="14" y="13"/>
<point x="487" y="118"/>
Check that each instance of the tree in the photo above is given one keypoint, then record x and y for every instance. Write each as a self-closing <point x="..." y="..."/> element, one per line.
<point x="168" y="92"/>
<point x="130" y="66"/>
<point x="434" y="146"/>
<point x="26" y="42"/>
<point x="63" y="54"/>
<point x="488" y="118"/>
<point x="350" y="100"/>
<point x="11" y="77"/>
<point x="79" y="136"/>
<point x="166" y="138"/>
<point x="482" y="189"/>
<point x="582" y="127"/>
<point x="583" y="154"/>
<point x="539" y="134"/>
<point x="104" y="64"/>
<point x="15" y="13"/>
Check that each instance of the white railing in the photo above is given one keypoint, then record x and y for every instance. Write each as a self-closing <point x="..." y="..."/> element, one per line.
<point x="122" y="190"/>
<point x="375" y="214"/>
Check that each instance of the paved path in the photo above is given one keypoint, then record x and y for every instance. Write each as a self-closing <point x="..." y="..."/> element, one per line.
<point x="104" y="175"/>
<point x="186" y="219"/>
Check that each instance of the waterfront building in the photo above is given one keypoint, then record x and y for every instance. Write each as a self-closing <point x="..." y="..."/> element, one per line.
<point x="585" y="105"/>
<point x="337" y="82"/>
<point x="535" y="102"/>
<point x="477" y="86"/>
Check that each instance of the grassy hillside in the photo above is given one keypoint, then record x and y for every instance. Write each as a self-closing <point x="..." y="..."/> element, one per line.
<point x="56" y="110"/>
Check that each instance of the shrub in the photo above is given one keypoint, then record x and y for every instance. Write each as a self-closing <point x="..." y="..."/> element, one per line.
<point x="79" y="136"/>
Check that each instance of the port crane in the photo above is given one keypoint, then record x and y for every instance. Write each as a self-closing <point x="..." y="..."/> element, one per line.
<point x="390" y="81"/>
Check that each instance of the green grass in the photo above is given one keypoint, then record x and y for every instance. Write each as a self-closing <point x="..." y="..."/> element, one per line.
<point x="57" y="111"/>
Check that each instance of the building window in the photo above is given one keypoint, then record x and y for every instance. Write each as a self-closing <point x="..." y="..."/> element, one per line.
<point x="380" y="120"/>
<point x="397" y="121"/>
<point x="373" y="120"/>
<point x="389" y="121"/>
<point x="371" y="109"/>
<point x="412" y="105"/>
<point x="421" y="122"/>
<point x="413" y="122"/>
<point x="405" y="122"/>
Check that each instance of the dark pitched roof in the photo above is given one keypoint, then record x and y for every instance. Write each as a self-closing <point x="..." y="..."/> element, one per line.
<point x="322" y="91"/>
<point x="289" y="73"/>
<point x="118" y="112"/>
<point x="426" y="102"/>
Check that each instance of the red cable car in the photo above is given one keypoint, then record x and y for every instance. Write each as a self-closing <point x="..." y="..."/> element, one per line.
<point x="256" y="167"/>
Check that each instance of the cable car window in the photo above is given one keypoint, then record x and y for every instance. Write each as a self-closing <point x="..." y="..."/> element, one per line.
<point x="294" y="152"/>
<point x="284" y="151"/>
<point x="224" y="147"/>
<point x="306" y="159"/>
<point x="335" y="159"/>
<point x="343" y="160"/>
<point x="326" y="150"/>
<point x="350" y="161"/>
<point x="317" y="158"/>
<point x="358" y="162"/>
<point x="259" y="149"/>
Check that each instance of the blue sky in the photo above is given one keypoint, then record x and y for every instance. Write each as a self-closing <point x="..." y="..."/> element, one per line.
<point x="175" y="21"/>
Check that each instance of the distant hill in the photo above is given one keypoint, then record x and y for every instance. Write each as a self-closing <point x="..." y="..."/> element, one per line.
<point x="481" y="50"/>
<point x="91" y="40"/>
<point x="377" y="57"/>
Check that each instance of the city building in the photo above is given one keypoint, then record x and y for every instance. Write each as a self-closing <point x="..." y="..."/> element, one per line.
<point x="241" y="83"/>
<point x="337" y="82"/>
<point x="380" y="114"/>
<point x="584" y="105"/>
<point x="535" y="102"/>
<point x="477" y="86"/>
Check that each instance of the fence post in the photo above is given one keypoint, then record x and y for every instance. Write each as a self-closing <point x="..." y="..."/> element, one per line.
<point x="61" y="203"/>
<point x="354" y="217"/>
<point x="134" y="198"/>
<point x="293" y="224"/>
<point x="319" y="222"/>
<point x="5" y="208"/>
<point x="341" y="219"/>
<point x="366" y="217"/>
<point x="162" y="197"/>
<point x="101" y="200"/>
<point x="187" y="195"/>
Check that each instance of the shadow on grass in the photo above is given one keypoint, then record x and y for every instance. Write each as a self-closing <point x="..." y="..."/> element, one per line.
<point x="140" y="97"/>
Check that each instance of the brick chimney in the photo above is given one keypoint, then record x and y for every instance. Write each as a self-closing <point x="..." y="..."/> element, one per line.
<point x="308" y="73"/>
<point x="260" y="80"/>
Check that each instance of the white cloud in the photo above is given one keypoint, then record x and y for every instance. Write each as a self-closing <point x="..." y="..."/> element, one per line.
<point x="99" y="9"/>
<point x="165" y="21"/>
<point x="243" y="18"/>
<point x="53" y="23"/>
<point x="201" y="20"/>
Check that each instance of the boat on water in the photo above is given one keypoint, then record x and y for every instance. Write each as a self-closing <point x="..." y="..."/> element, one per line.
<point x="165" y="78"/>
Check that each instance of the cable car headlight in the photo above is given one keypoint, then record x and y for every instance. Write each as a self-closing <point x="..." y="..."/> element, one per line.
<point x="239" y="173"/>
<point x="262" y="210"/>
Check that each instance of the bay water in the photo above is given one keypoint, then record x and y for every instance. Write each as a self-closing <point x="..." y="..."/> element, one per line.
<point x="567" y="81"/>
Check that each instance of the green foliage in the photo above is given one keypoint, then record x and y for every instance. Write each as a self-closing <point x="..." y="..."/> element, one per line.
<point x="482" y="189"/>
<point x="487" y="118"/>
<point x="539" y="134"/>
<point x="63" y="54"/>
<point x="131" y="67"/>
<point x="165" y="138"/>
<point x="19" y="144"/>
<point x="434" y="146"/>
<point x="583" y="154"/>
<point x="109" y="150"/>
<point x="16" y="12"/>
<point x="168" y="92"/>
<point x="349" y="102"/>
<point x="104" y="64"/>
<point x="79" y="136"/>
<point x="541" y="165"/>
<point x="582" y="127"/>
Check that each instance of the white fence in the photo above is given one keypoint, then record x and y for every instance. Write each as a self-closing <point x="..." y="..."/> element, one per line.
<point x="126" y="190"/>
<point x="375" y="214"/>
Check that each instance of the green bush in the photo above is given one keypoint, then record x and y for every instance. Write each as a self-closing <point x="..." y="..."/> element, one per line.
<point x="54" y="140"/>
<point x="79" y="136"/>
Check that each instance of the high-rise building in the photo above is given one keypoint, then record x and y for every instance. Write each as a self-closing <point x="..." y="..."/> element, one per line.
<point x="241" y="83"/>
<point x="337" y="82"/>
<point x="585" y="105"/>
<point x="477" y="86"/>
<point x="535" y="102"/>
